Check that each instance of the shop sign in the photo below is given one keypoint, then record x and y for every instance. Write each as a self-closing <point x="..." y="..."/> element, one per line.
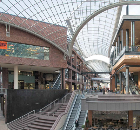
<point x="3" y="45"/>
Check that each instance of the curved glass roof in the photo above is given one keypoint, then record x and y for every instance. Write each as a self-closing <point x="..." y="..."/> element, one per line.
<point x="40" y="16"/>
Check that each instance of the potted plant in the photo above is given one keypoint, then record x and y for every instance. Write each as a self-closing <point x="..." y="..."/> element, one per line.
<point x="83" y="127"/>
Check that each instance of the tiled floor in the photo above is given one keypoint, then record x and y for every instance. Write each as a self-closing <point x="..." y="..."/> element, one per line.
<point x="2" y="121"/>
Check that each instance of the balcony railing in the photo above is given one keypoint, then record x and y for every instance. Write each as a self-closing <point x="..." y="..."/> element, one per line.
<point x="130" y="50"/>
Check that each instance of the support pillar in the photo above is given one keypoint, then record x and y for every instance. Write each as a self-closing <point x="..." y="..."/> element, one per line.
<point x="112" y="84"/>
<point x="127" y="39"/>
<point x="90" y="117"/>
<point x="63" y="79"/>
<point x="16" y="77"/>
<point x="127" y="80"/>
<point x="120" y="81"/>
<point x="132" y="35"/>
<point x="5" y="78"/>
<point x="116" y="81"/>
<point x="139" y="80"/>
<point x="130" y="118"/>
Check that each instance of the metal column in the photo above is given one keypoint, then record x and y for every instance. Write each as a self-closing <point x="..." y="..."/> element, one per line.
<point x="127" y="39"/>
<point x="122" y="38"/>
<point x="118" y="44"/>
<point x="132" y="35"/>
<point x="127" y="10"/>
<point x="120" y="75"/>
<point x="127" y="80"/>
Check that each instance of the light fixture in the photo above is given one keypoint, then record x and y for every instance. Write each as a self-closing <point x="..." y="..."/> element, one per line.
<point x="57" y="71"/>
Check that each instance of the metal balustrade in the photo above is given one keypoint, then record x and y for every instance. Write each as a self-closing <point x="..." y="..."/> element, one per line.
<point x="49" y="106"/>
<point x="66" y="111"/>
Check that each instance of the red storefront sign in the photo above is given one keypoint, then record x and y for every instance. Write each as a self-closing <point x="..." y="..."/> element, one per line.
<point x="3" y="45"/>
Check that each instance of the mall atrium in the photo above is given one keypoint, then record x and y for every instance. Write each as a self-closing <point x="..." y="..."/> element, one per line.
<point x="69" y="65"/>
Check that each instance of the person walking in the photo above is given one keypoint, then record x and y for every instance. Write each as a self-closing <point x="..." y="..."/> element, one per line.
<point x="76" y="123"/>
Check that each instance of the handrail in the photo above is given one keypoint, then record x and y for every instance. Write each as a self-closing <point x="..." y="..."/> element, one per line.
<point x="49" y="105"/>
<point x="76" y="115"/>
<point x="54" y="102"/>
<point x="68" y="116"/>
<point x="66" y="111"/>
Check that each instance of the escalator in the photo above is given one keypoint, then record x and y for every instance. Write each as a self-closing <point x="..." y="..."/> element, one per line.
<point x="132" y="88"/>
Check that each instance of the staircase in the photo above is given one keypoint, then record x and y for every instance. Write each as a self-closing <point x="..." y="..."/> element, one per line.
<point x="74" y="114"/>
<point x="44" y="119"/>
<point x="45" y="122"/>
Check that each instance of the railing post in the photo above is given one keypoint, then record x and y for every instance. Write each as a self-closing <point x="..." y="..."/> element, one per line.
<point x="54" y="103"/>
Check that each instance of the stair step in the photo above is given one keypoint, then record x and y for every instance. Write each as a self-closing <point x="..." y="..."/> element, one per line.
<point x="41" y="124"/>
<point x="39" y="127"/>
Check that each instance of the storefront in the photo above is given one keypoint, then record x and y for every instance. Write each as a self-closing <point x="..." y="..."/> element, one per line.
<point x="114" y="119"/>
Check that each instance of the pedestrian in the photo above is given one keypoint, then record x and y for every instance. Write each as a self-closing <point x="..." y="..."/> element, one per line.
<point x="76" y="123"/>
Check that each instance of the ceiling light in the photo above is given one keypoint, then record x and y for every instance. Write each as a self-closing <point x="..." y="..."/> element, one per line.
<point x="57" y="71"/>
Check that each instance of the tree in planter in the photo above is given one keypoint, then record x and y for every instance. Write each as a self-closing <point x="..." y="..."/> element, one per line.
<point x="87" y="123"/>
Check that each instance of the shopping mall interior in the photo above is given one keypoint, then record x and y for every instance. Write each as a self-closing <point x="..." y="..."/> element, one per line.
<point x="69" y="65"/>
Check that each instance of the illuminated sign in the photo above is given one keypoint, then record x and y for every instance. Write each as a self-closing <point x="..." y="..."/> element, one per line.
<point x="3" y="45"/>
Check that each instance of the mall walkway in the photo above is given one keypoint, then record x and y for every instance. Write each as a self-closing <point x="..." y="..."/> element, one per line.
<point x="2" y="121"/>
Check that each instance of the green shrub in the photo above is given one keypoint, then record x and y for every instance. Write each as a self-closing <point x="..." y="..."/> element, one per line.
<point x="83" y="126"/>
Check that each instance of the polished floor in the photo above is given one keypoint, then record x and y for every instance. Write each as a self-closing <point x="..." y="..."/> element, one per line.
<point x="2" y="121"/>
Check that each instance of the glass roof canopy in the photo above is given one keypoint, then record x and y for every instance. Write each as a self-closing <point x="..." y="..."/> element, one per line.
<point x="94" y="38"/>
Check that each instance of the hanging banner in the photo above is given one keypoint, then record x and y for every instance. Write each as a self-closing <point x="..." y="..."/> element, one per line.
<point x="3" y="45"/>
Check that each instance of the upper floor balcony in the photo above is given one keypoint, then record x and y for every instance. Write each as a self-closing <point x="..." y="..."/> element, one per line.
<point x="133" y="52"/>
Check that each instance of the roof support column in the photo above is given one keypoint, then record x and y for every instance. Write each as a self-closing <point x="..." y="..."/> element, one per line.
<point x="127" y="39"/>
<point x="132" y="35"/>
<point x="127" y="80"/>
